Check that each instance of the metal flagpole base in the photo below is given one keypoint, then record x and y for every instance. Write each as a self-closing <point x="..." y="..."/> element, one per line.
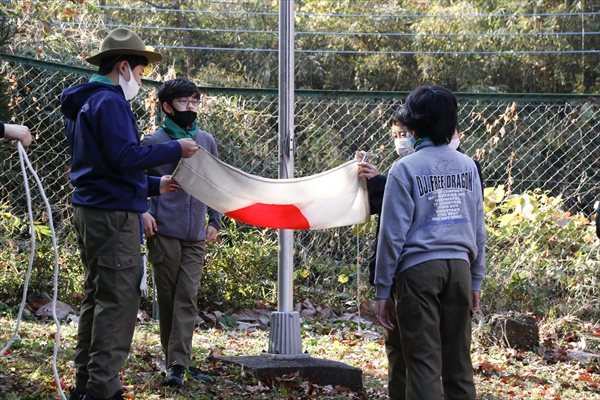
<point x="284" y="338"/>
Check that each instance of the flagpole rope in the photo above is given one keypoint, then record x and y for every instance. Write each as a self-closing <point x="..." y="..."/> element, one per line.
<point x="23" y="159"/>
<point x="367" y="156"/>
<point x="358" y="275"/>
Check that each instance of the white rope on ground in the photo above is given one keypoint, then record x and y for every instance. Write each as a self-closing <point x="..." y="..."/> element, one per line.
<point x="24" y="159"/>
<point x="31" y="255"/>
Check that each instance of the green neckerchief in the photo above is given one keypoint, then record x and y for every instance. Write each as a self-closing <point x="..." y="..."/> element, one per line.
<point x="176" y="132"/>
<point x="101" y="79"/>
<point x="418" y="142"/>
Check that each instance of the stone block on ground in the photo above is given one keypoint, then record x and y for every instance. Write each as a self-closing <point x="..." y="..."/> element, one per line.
<point x="515" y="330"/>
<point x="319" y="371"/>
<point x="62" y="310"/>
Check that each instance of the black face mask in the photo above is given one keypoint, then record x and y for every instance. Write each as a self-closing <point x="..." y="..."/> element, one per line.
<point x="183" y="118"/>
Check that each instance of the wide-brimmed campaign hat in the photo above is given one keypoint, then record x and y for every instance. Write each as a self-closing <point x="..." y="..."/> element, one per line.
<point x="123" y="41"/>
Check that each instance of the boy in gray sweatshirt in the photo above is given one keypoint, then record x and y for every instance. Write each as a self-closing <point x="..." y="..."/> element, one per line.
<point x="176" y="228"/>
<point x="432" y="239"/>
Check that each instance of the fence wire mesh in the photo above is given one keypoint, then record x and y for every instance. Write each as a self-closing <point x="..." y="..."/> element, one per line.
<point x="523" y="143"/>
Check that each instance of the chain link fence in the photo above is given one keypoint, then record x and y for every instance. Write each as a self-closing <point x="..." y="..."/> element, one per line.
<point x="523" y="142"/>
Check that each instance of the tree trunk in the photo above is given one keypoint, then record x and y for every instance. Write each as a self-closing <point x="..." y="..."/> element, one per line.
<point x="189" y="64"/>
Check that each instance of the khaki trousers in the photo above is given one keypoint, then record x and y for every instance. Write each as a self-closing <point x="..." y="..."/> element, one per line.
<point x="177" y="267"/>
<point x="109" y="243"/>
<point x="434" y="313"/>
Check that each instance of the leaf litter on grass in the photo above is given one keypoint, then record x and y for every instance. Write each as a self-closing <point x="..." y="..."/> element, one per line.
<point x="548" y="372"/>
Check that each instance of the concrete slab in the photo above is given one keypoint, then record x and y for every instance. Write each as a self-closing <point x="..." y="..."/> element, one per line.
<point x="327" y="372"/>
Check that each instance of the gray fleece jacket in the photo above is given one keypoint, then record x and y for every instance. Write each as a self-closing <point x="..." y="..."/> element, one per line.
<point x="179" y="215"/>
<point x="432" y="209"/>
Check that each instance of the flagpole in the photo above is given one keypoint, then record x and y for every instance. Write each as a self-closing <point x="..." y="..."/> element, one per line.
<point x="286" y="146"/>
<point x="284" y="336"/>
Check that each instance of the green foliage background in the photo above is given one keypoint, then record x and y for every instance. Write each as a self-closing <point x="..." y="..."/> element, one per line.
<point x="540" y="258"/>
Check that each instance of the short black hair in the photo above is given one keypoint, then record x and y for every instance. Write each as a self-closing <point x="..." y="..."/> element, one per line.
<point x="396" y="118"/>
<point x="108" y="63"/>
<point x="175" y="88"/>
<point x="431" y="111"/>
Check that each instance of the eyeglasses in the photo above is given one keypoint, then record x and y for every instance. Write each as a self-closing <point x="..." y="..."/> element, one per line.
<point x="186" y="102"/>
<point x="401" y="134"/>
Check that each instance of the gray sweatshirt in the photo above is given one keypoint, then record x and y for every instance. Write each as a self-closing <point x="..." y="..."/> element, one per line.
<point x="179" y="215"/>
<point x="432" y="210"/>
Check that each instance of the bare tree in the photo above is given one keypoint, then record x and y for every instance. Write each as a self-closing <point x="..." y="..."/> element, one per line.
<point x="175" y="4"/>
<point x="8" y="28"/>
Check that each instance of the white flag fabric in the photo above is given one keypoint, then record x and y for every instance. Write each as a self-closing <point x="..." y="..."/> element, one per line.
<point x="337" y="197"/>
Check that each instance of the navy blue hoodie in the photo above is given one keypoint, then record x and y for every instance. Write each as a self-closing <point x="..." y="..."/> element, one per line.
<point x="107" y="161"/>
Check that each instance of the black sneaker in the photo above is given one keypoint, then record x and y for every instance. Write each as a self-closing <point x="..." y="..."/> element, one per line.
<point x="116" y="396"/>
<point x="175" y="376"/>
<point x="76" y="395"/>
<point x="197" y="376"/>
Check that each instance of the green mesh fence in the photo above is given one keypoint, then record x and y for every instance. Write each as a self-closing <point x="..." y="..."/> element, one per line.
<point x="523" y="142"/>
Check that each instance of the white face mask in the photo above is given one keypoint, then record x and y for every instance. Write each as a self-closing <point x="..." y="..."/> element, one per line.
<point x="131" y="88"/>
<point x="454" y="143"/>
<point x="403" y="146"/>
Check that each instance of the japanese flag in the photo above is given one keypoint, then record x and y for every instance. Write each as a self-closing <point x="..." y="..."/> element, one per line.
<point x="333" y="198"/>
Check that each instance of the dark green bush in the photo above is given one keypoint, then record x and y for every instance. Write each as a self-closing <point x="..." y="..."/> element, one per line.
<point x="242" y="267"/>
<point x="540" y="259"/>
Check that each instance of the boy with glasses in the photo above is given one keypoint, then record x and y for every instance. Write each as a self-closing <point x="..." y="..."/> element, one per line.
<point x="176" y="229"/>
<point x="376" y="186"/>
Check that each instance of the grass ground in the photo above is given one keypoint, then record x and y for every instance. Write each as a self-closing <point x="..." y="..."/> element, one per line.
<point x="548" y="372"/>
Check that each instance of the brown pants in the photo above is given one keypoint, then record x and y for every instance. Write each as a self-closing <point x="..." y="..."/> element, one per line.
<point x="109" y="243"/>
<point x="177" y="267"/>
<point x="434" y="314"/>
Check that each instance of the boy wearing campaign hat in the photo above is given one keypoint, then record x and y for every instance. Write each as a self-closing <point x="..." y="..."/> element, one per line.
<point x="111" y="189"/>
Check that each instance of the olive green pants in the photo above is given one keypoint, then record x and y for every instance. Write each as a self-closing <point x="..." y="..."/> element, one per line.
<point x="434" y="314"/>
<point x="395" y="356"/>
<point x="177" y="267"/>
<point x="109" y="243"/>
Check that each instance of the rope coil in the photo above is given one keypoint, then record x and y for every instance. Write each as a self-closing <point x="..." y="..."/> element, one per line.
<point x="25" y="160"/>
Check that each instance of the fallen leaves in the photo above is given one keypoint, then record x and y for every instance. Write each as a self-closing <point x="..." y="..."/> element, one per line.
<point x="549" y="372"/>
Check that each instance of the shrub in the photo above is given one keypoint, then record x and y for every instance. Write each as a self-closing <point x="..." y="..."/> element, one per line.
<point x="242" y="267"/>
<point x="540" y="258"/>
